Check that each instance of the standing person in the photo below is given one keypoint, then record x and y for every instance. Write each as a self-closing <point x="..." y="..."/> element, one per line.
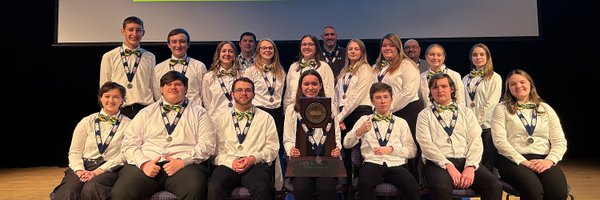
<point x="218" y="81"/>
<point x="310" y="57"/>
<point x="436" y="56"/>
<point x="386" y="153"/>
<point x="310" y="84"/>
<point x="450" y="139"/>
<point x="131" y="66"/>
<point x="351" y="91"/>
<point x="268" y="76"/>
<point x="166" y="146"/>
<point x="95" y="152"/>
<point x="247" y="50"/>
<point x="244" y="153"/>
<point x="178" y="41"/>
<point x="530" y="140"/>
<point x="483" y="89"/>
<point x="413" y="51"/>
<point x="333" y="53"/>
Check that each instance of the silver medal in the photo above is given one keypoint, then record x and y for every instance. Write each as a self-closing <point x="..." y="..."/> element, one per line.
<point x="271" y="99"/>
<point x="530" y="140"/>
<point x="240" y="148"/>
<point x="129" y="85"/>
<point x="449" y="141"/>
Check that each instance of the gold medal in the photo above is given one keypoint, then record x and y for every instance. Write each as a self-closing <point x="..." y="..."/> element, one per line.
<point x="472" y="105"/>
<point x="230" y="104"/>
<point x="530" y="140"/>
<point x="240" y="148"/>
<point x="271" y="99"/>
<point x="129" y="85"/>
<point x="169" y="139"/>
<point x="449" y="141"/>
<point x="344" y="96"/>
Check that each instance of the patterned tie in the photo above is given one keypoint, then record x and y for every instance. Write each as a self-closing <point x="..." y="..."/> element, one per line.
<point x="267" y="68"/>
<point x="310" y="63"/>
<point x="174" y="62"/>
<point x="475" y="73"/>
<point x="521" y="106"/>
<point x="168" y="108"/>
<point x="137" y="52"/>
<point x="431" y="74"/>
<point x="450" y="107"/>
<point x="240" y="115"/>
<point x="229" y="72"/>
<point x="106" y="118"/>
<point x="379" y="117"/>
<point x="384" y="63"/>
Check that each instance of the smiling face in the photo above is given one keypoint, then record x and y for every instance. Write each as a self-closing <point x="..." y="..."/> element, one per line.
<point x="242" y="93"/>
<point x="389" y="51"/>
<point x="132" y="33"/>
<point x="173" y="92"/>
<point x="353" y="52"/>
<point x="308" y="48"/>
<point x="247" y="44"/>
<point x="311" y="86"/>
<point x="329" y="38"/>
<point x="520" y="87"/>
<point x="178" y="45"/>
<point x="266" y="51"/>
<point x="435" y="57"/>
<point x="478" y="57"/>
<point x="226" y="56"/>
<point x="111" y="101"/>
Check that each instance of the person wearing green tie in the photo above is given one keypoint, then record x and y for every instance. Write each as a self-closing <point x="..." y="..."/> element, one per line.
<point x="386" y="144"/>
<point x="450" y="139"/>
<point x="178" y="41"/>
<point x="247" y="145"/>
<point x="436" y="58"/>
<point x="131" y="66"/>
<point x="217" y="82"/>
<point x="530" y="140"/>
<point x="95" y="153"/>
<point x="167" y="146"/>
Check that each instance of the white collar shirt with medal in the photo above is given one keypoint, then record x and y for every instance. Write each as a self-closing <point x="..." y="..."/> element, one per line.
<point x="357" y="92"/>
<point x="487" y="96"/>
<point x="465" y="141"/>
<point x="112" y="69"/>
<point x="510" y="135"/>
<point x="405" y="83"/>
<point x="455" y="76"/>
<point x="292" y="82"/>
<point x="261" y="140"/>
<point x="289" y="131"/>
<point x="262" y="97"/>
<point x="194" y="71"/>
<point x="192" y="139"/>
<point x="213" y="97"/>
<point x="400" y="138"/>
<point x="85" y="146"/>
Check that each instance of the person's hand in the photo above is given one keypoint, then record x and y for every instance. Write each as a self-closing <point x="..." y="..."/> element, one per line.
<point x="84" y="175"/>
<point x="150" y="168"/>
<point x="541" y="165"/>
<point x="467" y="177"/>
<point x="528" y="164"/>
<point x="295" y="152"/>
<point x="342" y="126"/>
<point x="335" y="152"/>
<point x="246" y="163"/>
<point x="387" y="150"/>
<point x="454" y="174"/>
<point x="364" y="128"/>
<point x="173" y="165"/>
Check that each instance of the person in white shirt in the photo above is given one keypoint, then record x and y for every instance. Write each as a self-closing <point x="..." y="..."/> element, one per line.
<point x="131" y="66"/>
<point x="178" y="41"/>
<point x="386" y="144"/>
<point x="413" y="51"/>
<point x="530" y="140"/>
<point x="450" y="138"/>
<point x="217" y="82"/>
<point x="95" y="153"/>
<point x="247" y="145"/>
<point x="305" y="188"/>
<point x="436" y="56"/>
<point x="166" y="146"/>
<point x="247" y="54"/>
<point x="310" y="58"/>
<point x="483" y="89"/>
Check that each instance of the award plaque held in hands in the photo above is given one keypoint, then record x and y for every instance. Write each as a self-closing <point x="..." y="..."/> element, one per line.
<point x="316" y="113"/>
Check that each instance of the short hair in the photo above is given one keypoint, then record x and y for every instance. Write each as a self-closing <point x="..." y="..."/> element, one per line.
<point x="328" y="26"/>
<point x="433" y="82"/>
<point x="178" y="31"/>
<point x="133" y="19"/>
<point x="110" y="86"/>
<point x="242" y="79"/>
<point x="248" y="34"/>
<point x="380" y="87"/>
<point x="173" y="76"/>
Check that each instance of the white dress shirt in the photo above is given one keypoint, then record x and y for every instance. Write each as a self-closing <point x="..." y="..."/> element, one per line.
<point x="195" y="72"/>
<point x="357" y="93"/>
<point x="487" y="95"/>
<point x="261" y="88"/>
<point x="405" y="84"/>
<point x="112" y="69"/>
<point x="292" y="82"/>
<point x="456" y="78"/>
<point x="213" y="97"/>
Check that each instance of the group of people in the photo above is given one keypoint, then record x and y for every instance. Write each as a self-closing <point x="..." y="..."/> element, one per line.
<point x="199" y="133"/>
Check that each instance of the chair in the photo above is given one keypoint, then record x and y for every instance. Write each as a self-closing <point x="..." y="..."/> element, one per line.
<point x="511" y="191"/>
<point x="386" y="190"/>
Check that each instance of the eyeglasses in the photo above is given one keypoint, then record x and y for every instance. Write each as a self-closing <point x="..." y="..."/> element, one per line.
<point x="266" y="48"/>
<point x="307" y="44"/>
<point x="240" y="90"/>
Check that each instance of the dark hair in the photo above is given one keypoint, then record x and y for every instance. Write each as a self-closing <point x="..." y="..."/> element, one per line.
<point x="248" y="34"/>
<point x="133" y="19"/>
<point x="178" y="31"/>
<point x="318" y="52"/>
<point x="242" y="79"/>
<point x="173" y="76"/>
<point x="433" y="82"/>
<point x="110" y="86"/>
<point x="299" y="90"/>
<point x="380" y="87"/>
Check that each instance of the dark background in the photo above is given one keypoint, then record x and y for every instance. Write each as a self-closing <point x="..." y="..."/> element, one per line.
<point x="52" y="87"/>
